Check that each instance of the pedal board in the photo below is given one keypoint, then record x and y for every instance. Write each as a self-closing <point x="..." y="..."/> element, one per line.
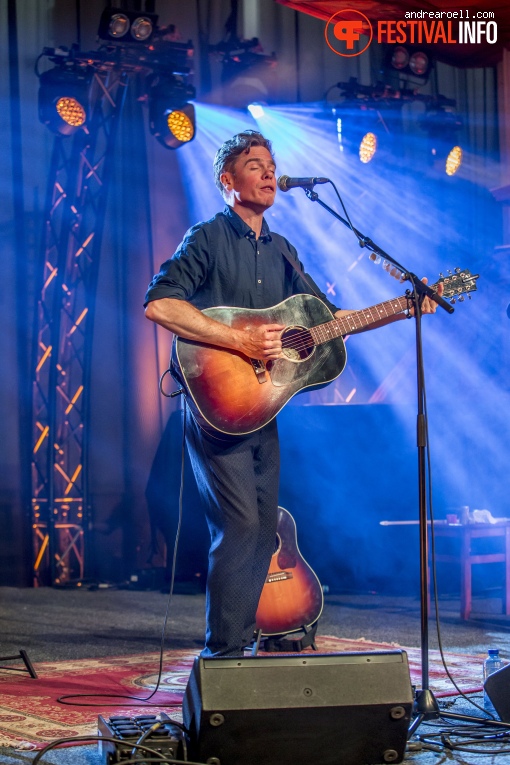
<point x="167" y="740"/>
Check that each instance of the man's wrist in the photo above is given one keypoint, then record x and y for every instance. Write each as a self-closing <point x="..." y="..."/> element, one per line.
<point x="238" y="338"/>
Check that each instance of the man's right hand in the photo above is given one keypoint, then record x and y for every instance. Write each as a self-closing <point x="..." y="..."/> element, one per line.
<point x="262" y="342"/>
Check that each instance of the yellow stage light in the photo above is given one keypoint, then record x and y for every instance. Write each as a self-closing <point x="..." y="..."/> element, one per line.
<point x="453" y="160"/>
<point x="64" y="99"/>
<point x="171" y="115"/>
<point x="368" y="147"/>
<point x="180" y="125"/>
<point x="71" y="111"/>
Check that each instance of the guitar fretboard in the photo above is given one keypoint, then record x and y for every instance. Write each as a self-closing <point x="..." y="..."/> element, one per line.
<point x="357" y="320"/>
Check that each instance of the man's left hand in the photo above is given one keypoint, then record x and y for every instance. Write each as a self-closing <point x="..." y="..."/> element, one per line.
<point x="428" y="305"/>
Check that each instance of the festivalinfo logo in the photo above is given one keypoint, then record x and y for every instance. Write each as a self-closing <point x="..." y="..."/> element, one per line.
<point x="346" y="27"/>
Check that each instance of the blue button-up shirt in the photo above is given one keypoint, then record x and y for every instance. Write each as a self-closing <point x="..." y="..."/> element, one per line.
<point x="222" y="263"/>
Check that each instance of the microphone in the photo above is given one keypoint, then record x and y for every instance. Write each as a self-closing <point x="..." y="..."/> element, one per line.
<point x="285" y="183"/>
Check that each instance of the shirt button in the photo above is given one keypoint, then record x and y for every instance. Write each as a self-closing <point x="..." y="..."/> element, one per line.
<point x="259" y="281"/>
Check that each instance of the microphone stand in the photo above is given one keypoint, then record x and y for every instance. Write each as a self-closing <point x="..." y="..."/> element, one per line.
<point x="425" y="704"/>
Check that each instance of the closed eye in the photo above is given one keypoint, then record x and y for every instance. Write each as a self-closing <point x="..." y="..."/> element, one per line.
<point x="254" y="165"/>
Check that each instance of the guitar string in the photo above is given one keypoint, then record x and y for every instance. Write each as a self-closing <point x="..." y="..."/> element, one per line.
<point x="301" y="337"/>
<point x="401" y="302"/>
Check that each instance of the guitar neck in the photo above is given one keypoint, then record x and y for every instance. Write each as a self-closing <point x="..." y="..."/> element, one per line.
<point x="357" y="320"/>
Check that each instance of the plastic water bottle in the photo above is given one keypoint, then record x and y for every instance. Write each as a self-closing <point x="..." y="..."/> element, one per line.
<point x="491" y="664"/>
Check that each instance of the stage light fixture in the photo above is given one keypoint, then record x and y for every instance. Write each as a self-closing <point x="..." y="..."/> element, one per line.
<point x="71" y="111"/>
<point x="363" y="131"/>
<point x="453" y="160"/>
<point x="171" y="116"/>
<point x="409" y="61"/>
<point x="339" y="132"/>
<point x="443" y="127"/>
<point x="419" y="63"/>
<point x="127" y="26"/>
<point x="64" y="99"/>
<point x="247" y="74"/>
<point x="256" y="111"/>
<point x="399" y="57"/>
<point x="367" y="147"/>
<point x="141" y="29"/>
<point x="181" y="123"/>
<point x="118" y="26"/>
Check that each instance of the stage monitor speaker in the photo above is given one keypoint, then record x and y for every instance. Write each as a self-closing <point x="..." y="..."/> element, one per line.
<point x="348" y="708"/>
<point x="497" y="686"/>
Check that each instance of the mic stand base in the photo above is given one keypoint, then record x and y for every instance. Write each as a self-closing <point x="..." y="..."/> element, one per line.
<point x="426" y="708"/>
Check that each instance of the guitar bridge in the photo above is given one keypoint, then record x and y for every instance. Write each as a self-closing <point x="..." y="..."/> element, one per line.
<point x="279" y="576"/>
<point x="259" y="368"/>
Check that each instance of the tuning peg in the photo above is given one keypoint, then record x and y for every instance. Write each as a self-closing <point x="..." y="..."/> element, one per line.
<point x="469" y="296"/>
<point x="453" y="301"/>
<point x="448" y="270"/>
<point x="441" y="275"/>
<point x="457" y="270"/>
<point x="461" y="299"/>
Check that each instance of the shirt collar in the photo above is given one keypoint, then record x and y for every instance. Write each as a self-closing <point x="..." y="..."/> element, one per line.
<point x="242" y="228"/>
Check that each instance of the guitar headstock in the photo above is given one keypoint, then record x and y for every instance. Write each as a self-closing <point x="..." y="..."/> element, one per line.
<point x="458" y="284"/>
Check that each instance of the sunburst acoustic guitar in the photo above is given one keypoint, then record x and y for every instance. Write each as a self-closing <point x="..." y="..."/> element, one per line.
<point x="233" y="394"/>
<point x="292" y="596"/>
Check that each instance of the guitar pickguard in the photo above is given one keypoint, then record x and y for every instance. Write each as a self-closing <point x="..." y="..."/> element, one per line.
<point x="324" y="363"/>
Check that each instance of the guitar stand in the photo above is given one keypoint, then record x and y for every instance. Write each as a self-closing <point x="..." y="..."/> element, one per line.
<point x="286" y="643"/>
<point x="23" y="655"/>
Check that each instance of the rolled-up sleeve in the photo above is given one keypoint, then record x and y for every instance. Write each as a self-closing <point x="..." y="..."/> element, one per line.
<point x="186" y="271"/>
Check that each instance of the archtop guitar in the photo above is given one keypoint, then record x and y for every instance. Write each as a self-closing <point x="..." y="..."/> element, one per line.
<point x="235" y="395"/>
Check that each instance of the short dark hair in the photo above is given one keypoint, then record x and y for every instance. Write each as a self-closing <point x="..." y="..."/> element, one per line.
<point x="227" y="155"/>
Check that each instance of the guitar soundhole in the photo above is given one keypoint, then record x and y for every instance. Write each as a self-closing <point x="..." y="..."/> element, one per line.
<point x="297" y="343"/>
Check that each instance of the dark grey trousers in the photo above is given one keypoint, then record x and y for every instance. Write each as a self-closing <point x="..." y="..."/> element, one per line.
<point x="238" y="480"/>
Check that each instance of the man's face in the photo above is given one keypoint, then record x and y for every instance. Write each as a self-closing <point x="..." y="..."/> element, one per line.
<point x="253" y="182"/>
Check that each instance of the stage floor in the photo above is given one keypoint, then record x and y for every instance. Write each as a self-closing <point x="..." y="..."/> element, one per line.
<point x="63" y="624"/>
<point x="57" y="624"/>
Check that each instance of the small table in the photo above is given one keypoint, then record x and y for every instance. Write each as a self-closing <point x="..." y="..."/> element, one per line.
<point x="466" y="533"/>
<point x="467" y="558"/>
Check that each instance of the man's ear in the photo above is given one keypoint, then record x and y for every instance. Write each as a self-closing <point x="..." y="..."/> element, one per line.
<point x="227" y="181"/>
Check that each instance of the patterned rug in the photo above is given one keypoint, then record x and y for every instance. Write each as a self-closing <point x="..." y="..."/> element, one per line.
<point x="30" y="715"/>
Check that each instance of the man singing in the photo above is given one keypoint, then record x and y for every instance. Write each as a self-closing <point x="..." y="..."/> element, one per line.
<point x="235" y="260"/>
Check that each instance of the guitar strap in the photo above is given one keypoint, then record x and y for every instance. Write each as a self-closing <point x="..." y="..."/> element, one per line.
<point x="297" y="267"/>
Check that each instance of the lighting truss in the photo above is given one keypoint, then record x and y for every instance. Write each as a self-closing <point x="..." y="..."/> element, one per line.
<point x="75" y="207"/>
<point x="74" y="218"/>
